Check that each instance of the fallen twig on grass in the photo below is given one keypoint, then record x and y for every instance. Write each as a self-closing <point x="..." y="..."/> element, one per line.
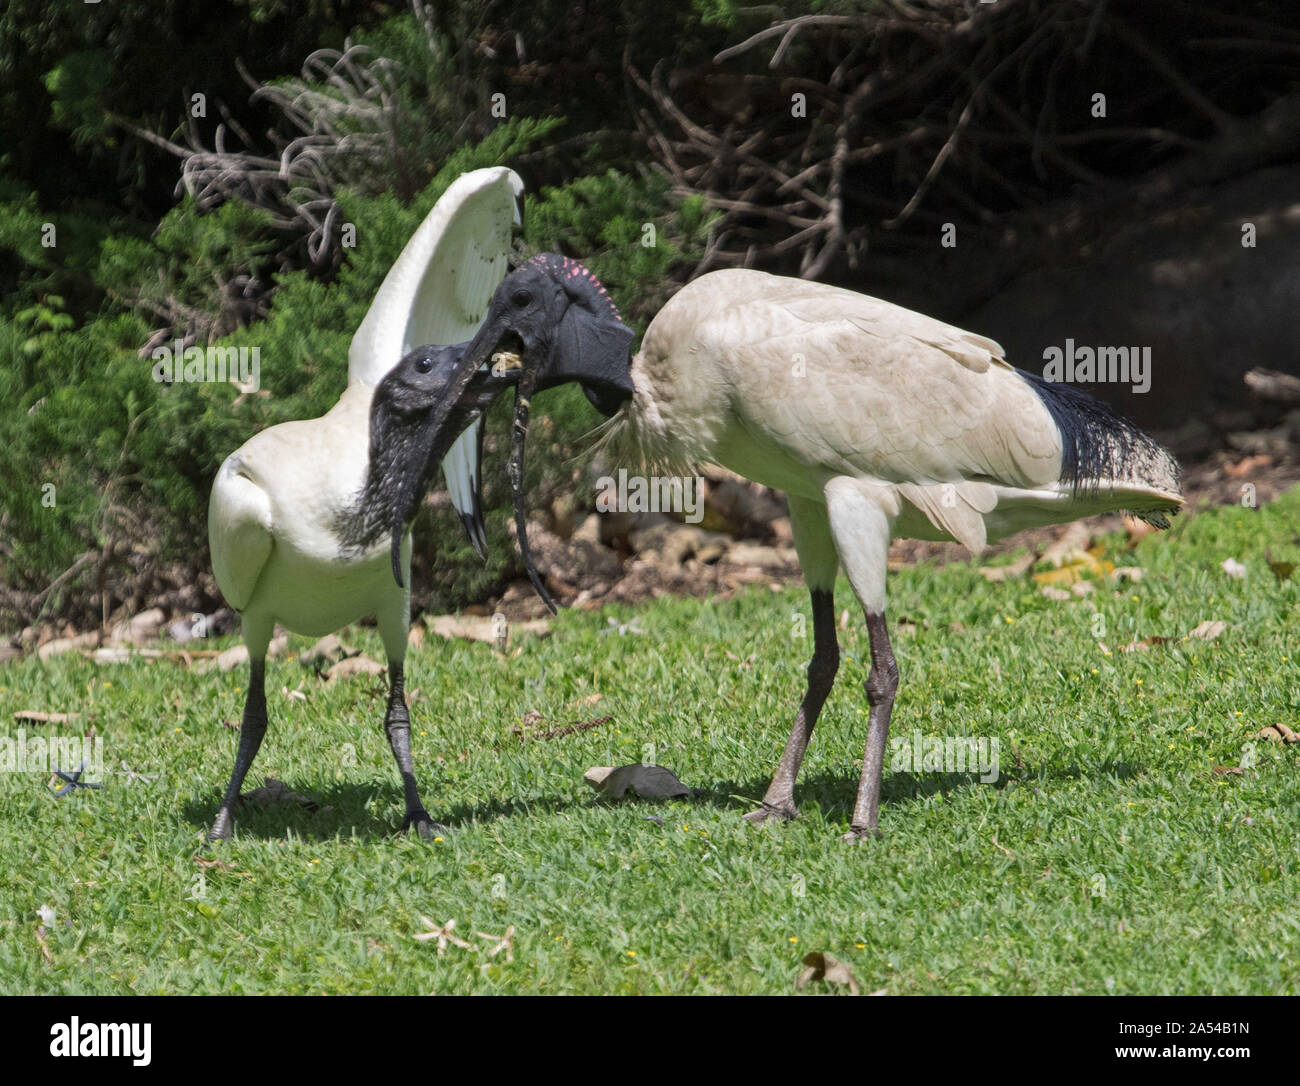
<point x="560" y="733"/>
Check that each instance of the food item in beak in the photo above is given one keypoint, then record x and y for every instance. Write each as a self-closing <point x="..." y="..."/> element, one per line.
<point x="504" y="361"/>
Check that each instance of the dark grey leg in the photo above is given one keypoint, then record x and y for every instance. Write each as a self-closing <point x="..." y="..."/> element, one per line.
<point x="251" y="731"/>
<point x="778" y="802"/>
<point x="880" y="686"/>
<point x="397" y="723"/>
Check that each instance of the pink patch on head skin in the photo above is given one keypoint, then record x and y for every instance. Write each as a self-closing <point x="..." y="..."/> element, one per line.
<point x="568" y="268"/>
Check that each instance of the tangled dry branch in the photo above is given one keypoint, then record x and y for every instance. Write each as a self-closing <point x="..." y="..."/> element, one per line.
<point x="812" y="133"/>
<point x="341" y="123"/>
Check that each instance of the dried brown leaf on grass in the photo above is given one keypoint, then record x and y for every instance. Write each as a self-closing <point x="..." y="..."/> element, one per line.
<point x="485" y="629"/>
<point x="647" y="781"/>
<point x="33" y="716"/>
<point x="1281" y="570"/>
<point x="1208" y="630"/>
<point x="825" y="967"/>
<point x="1142" y="644"/>
<point x="275" y="791"/>
<point x="1016" y="568"/>
<point x="352" y="666"/>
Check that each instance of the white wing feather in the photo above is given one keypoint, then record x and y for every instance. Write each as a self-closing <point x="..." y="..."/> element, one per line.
<point x="241" y="531"/>
<point x="438" y="291"/>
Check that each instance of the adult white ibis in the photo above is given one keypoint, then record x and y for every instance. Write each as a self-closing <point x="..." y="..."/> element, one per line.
<point x="289" y="538"/>
<point x="876" y="421"/>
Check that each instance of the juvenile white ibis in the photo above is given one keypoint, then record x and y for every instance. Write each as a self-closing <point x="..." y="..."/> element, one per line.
<point x="876" y="422"/>
<point x="287" y="529"/>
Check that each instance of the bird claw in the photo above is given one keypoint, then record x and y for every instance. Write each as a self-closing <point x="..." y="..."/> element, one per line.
<point x="784" y="812"/>
<point x="422" y="822"/>
<point x="862" y="833"/>
<point x="221" y="827"/>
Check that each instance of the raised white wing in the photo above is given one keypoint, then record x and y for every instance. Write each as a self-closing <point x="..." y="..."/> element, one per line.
<point x="438" y="291"/>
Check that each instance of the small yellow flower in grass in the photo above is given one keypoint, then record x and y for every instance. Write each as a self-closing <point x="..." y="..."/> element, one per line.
<point x="631" y="953"/>
<point x="794" y="938"/>
<point x="1093" y="670"/>
<point x="1133" y="598"/>
<point x="1138" y="681"/>
<point x="315" y="861"/>
<point x="861" y="946"/>
<point x="1008" y="619"/>
<point x="178" y="729"/>
<point x="107" y="685"/>
<point x="437" y="838"/>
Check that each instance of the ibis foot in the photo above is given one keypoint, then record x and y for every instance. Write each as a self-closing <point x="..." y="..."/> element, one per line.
<point x="422" y="822"/>
<point x="862" y="833"/>
<point x="782" y="812"/>
<point x="221" y="827"/>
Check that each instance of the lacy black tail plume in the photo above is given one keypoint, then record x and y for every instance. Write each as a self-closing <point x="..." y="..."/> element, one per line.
<point x="1100" y="446"/>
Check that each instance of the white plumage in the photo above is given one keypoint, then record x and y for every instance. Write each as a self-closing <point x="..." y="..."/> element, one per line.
<point x="877" y="422"/>
<point x="438" y="291"/>
<point x="803" y="382"/>
<point x="276" y="501"/>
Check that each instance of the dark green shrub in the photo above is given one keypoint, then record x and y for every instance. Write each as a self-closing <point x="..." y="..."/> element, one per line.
<point x="131" y="460"/>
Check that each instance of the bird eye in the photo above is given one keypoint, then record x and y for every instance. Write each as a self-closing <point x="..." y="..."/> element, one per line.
<point x="424" y="365"/>
<point x="521" y="298"/>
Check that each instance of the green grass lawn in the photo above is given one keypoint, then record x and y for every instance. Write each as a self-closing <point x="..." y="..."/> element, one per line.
<point x="1108" y="856"/>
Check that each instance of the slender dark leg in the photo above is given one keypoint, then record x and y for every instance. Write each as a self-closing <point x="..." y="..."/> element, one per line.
<point x="778" y="802"/>
<point x="880" y="686"/>
<point x="251" y="731"/>
<point x="397" y="723"/>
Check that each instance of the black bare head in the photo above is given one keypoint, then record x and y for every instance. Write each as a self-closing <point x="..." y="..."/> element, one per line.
<point x="568" y="327"/>
<point x="549" y="322"/>
<point x="404" y="448"/>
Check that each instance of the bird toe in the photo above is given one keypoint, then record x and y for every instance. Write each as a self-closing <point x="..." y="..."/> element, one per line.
<point x="423" y="824"/>
<point x="221" y="827"/>
<point x="769" y="812"/>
